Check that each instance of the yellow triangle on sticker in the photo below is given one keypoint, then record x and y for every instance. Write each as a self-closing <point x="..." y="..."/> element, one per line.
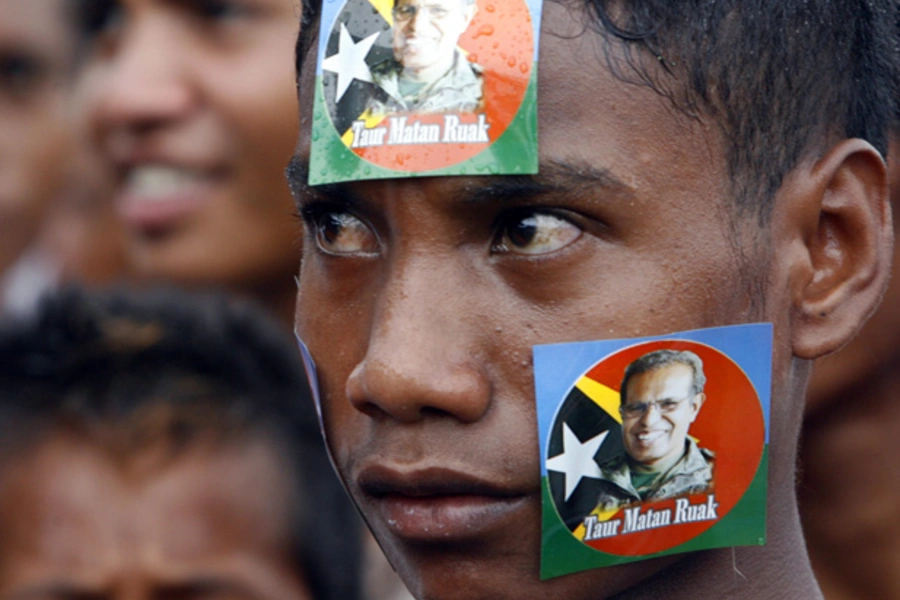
<point x="385" y="8"/>
<point x="369" y="120"/>
<point x="602" y="515"/>
<point x="603" y="396"/>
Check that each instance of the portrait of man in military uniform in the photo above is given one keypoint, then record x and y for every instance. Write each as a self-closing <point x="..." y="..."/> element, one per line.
<point x="661" y="395"/>
<point x="428" y="72"/>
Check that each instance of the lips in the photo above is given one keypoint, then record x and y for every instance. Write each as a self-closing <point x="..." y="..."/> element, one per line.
<point x="438" y="504"/>
<point x="155" y="196"/>
<point x="647" y="438"/>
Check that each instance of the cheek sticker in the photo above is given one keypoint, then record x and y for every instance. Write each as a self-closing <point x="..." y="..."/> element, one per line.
<point x="652" y="446"/>
<point x="436" y="87"/>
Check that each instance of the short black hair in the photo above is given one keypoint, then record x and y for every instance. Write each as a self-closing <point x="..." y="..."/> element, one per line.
<point x="205" y="367"/>
<point x="779" y="77"/>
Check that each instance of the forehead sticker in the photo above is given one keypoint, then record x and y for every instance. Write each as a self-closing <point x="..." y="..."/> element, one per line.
<point x="675" y="462"/>
<point x="415" y="87"/>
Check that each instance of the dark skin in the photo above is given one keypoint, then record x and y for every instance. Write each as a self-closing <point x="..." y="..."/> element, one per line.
<point x="421" y="299"/>
<point x="77" y="523"/>
<point x="853" y="417"/>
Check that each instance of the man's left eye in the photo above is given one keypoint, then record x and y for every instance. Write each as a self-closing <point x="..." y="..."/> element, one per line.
<point x="341" y="234"/>
<point x="534" y="233"/>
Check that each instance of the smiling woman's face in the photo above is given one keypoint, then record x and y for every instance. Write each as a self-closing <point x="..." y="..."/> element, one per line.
<point x="194" y="102"/>
<point x="35" y="47"/>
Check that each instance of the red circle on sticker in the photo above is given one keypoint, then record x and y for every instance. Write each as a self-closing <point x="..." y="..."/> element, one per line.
<point x="499" y="44"/>
<point x="730" y="424"/>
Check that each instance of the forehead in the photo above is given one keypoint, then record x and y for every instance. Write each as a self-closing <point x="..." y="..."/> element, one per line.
<point x="67" y="495"/>
<point x="661" y="380"/>
<point x="587" y="116"/>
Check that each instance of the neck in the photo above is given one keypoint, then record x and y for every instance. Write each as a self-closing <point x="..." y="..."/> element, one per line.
<point x="660" y="466"/>
<point x="848" y="473"/>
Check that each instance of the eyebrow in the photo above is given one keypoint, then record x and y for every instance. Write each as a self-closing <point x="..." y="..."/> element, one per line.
<point x="554" y="177"/>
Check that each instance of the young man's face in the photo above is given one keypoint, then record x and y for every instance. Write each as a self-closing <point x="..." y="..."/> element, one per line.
<point x="77" y="524"/>
<point x="420" y="300"/>
<point x="426" y="31"/>
<point x="656" y="436"/>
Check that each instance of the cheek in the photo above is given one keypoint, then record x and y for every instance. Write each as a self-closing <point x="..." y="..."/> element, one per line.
<point x="254" y="94"/>
<point x="333" y="322"/>
<point x="265" y="129"/>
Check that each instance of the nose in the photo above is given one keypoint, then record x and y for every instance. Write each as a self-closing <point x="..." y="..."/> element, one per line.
<point x="422" y="357"/>
<point x="652" y="415"/>
<point x="414" y="21"/>
<point x="142" y="81"/>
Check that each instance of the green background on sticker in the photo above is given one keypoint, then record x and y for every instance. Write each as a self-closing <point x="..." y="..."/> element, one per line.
<point x="514" y="152"/>
<point x="744" y="525"/>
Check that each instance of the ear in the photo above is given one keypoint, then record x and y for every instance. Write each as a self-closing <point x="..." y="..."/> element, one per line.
<point x="837" y="236"/>
<point x="696" y="403"/>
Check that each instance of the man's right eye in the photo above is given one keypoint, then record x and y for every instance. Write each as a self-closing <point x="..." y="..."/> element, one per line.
<point x="341" y="233"/>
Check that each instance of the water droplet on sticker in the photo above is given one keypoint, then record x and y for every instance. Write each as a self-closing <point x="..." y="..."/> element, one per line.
<point x="486" y="29"/>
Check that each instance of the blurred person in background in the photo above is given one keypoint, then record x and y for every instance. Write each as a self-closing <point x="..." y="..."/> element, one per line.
<point x="82" y="233"/>
<point x="155" y="448"/>
<point x="36" y="60"/>
<point x="56" y="217"/>
<point x="194" y="105"/>
<point x="850" y="478"/>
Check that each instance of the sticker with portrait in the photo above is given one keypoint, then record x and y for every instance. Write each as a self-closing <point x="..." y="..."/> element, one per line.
<point x="652" y="446"/>
<point x="425" y="87"/>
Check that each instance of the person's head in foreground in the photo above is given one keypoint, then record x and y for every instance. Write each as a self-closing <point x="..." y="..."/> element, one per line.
<point x="154" y="449"/>
<point x="425" y="35"/>
<point x="194" y="103"/>
<point x="702" y="164"/>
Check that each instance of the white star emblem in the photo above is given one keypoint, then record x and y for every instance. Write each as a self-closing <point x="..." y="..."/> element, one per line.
<point x="350" y="61"/>
<point x="577" y="459"/>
